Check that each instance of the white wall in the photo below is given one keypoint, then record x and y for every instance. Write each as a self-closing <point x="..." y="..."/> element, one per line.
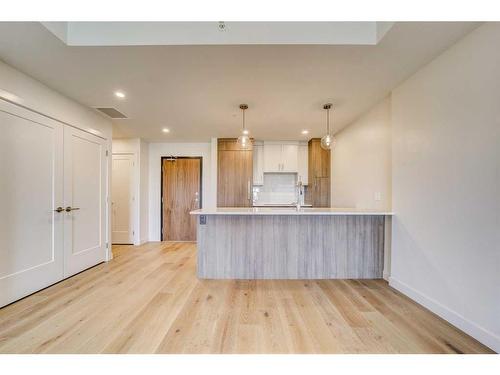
<point x="446" y="185"/>
<point x="156" y="151"/>
<point x="361" y="161"/>
<point x="140" y="150"/>
<point x="144" y="191"/>
<point x="23" y="90"/>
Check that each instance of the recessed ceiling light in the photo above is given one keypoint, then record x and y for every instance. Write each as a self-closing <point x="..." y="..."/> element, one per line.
<point x="305" y="132"/>
<point x="119" y="94"/>
<point x="245" y="132"/>
<point x="165" y="130"/>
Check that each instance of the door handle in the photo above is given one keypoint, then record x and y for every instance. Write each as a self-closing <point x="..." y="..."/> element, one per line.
<point x="59" y="209"/>
<point x="196" y="200"/>
<point x="69" y="209"/>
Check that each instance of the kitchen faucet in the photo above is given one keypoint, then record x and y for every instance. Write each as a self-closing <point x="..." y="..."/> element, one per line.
<point x="300" y="194"/>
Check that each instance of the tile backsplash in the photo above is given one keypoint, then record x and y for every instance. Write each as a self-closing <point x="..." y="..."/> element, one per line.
<point x="278" y="188"/>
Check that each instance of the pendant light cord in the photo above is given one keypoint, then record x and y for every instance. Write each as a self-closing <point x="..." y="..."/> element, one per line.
<point x="327" y="107"/>
<point x="328" y="121"/>
<point x="243" y="118"/>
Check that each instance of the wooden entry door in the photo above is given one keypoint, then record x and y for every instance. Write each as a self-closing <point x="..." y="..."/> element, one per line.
<point x="181" y="193"/>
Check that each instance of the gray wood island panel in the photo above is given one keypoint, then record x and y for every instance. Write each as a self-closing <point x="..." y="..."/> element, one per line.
<point x="285" y="246"/>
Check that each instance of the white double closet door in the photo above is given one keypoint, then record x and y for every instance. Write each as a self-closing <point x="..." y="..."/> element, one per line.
<point x="46" y="166"/>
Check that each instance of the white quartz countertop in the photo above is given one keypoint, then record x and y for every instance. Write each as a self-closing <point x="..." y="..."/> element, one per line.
<point x="288" y="211"/>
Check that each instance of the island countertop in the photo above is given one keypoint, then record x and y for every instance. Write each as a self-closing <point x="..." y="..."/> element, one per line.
<point x="251" y="211"/>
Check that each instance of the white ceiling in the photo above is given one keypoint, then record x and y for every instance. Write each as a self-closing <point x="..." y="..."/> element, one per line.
<point x="195" y="90"/>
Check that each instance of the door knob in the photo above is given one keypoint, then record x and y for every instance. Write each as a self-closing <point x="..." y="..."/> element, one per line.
<point x="59" y="209"/>
<point x="69" y="209"/>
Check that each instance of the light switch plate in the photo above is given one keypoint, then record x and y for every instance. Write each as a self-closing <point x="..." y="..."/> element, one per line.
<point x="378" y="196"/>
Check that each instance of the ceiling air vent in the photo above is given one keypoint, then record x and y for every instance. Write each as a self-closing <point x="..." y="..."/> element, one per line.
<point x="112" y="112"/>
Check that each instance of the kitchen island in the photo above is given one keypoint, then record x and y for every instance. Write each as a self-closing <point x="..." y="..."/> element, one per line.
<point x="290" y="243"/>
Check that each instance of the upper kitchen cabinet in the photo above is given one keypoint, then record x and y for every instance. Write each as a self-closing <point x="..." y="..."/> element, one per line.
<point x="272" y="157"/>
<point x="281" y="157"/>
<point x="258" y="163"/>
<point x="319" y="174"/>
<point x="234" y="174"/>
<point x="303" y="167"/>
<point x="290" y="156"/>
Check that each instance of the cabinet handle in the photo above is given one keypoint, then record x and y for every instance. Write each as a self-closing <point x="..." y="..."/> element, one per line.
<point x="59" y="209"/>
<point x="69" y="209"/>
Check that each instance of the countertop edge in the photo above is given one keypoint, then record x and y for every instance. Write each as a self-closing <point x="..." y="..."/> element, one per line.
<point x="291" y="212"/>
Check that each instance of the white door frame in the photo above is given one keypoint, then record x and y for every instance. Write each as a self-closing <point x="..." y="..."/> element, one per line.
<point x="135" y="192"/>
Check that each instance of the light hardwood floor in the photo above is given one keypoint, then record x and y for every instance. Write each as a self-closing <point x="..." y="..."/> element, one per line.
<point x="148" y="300"/>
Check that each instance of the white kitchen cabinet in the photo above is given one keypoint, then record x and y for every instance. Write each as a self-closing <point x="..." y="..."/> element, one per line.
<point x="258" y="163"/>
<point x="272" y="157"/>
<point x="289" y="157"/>
<point x="303" y="163"/>
<point x="281" y="157"/>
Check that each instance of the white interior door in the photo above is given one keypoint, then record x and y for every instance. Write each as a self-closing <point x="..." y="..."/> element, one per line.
<point x="31" y="180"/>
<point x="84" y="198"/>
<point x="123" y="199"/>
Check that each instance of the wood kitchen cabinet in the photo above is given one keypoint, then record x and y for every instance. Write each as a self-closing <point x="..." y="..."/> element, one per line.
<point x="319" y="174"/>
<point x="234" y="174"/>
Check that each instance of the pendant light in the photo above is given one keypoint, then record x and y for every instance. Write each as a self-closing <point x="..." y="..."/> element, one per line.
<point x="244" y="139"/>
<point x="328" y="141"/>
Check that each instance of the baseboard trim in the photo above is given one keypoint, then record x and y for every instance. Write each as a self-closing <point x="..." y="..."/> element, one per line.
<point x="479" y="333"/>
<point x="142" y="241"/>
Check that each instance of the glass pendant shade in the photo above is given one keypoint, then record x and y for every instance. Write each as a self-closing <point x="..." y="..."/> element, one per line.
<point x="327" y="142"/>
<point x="243" y="141"/>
